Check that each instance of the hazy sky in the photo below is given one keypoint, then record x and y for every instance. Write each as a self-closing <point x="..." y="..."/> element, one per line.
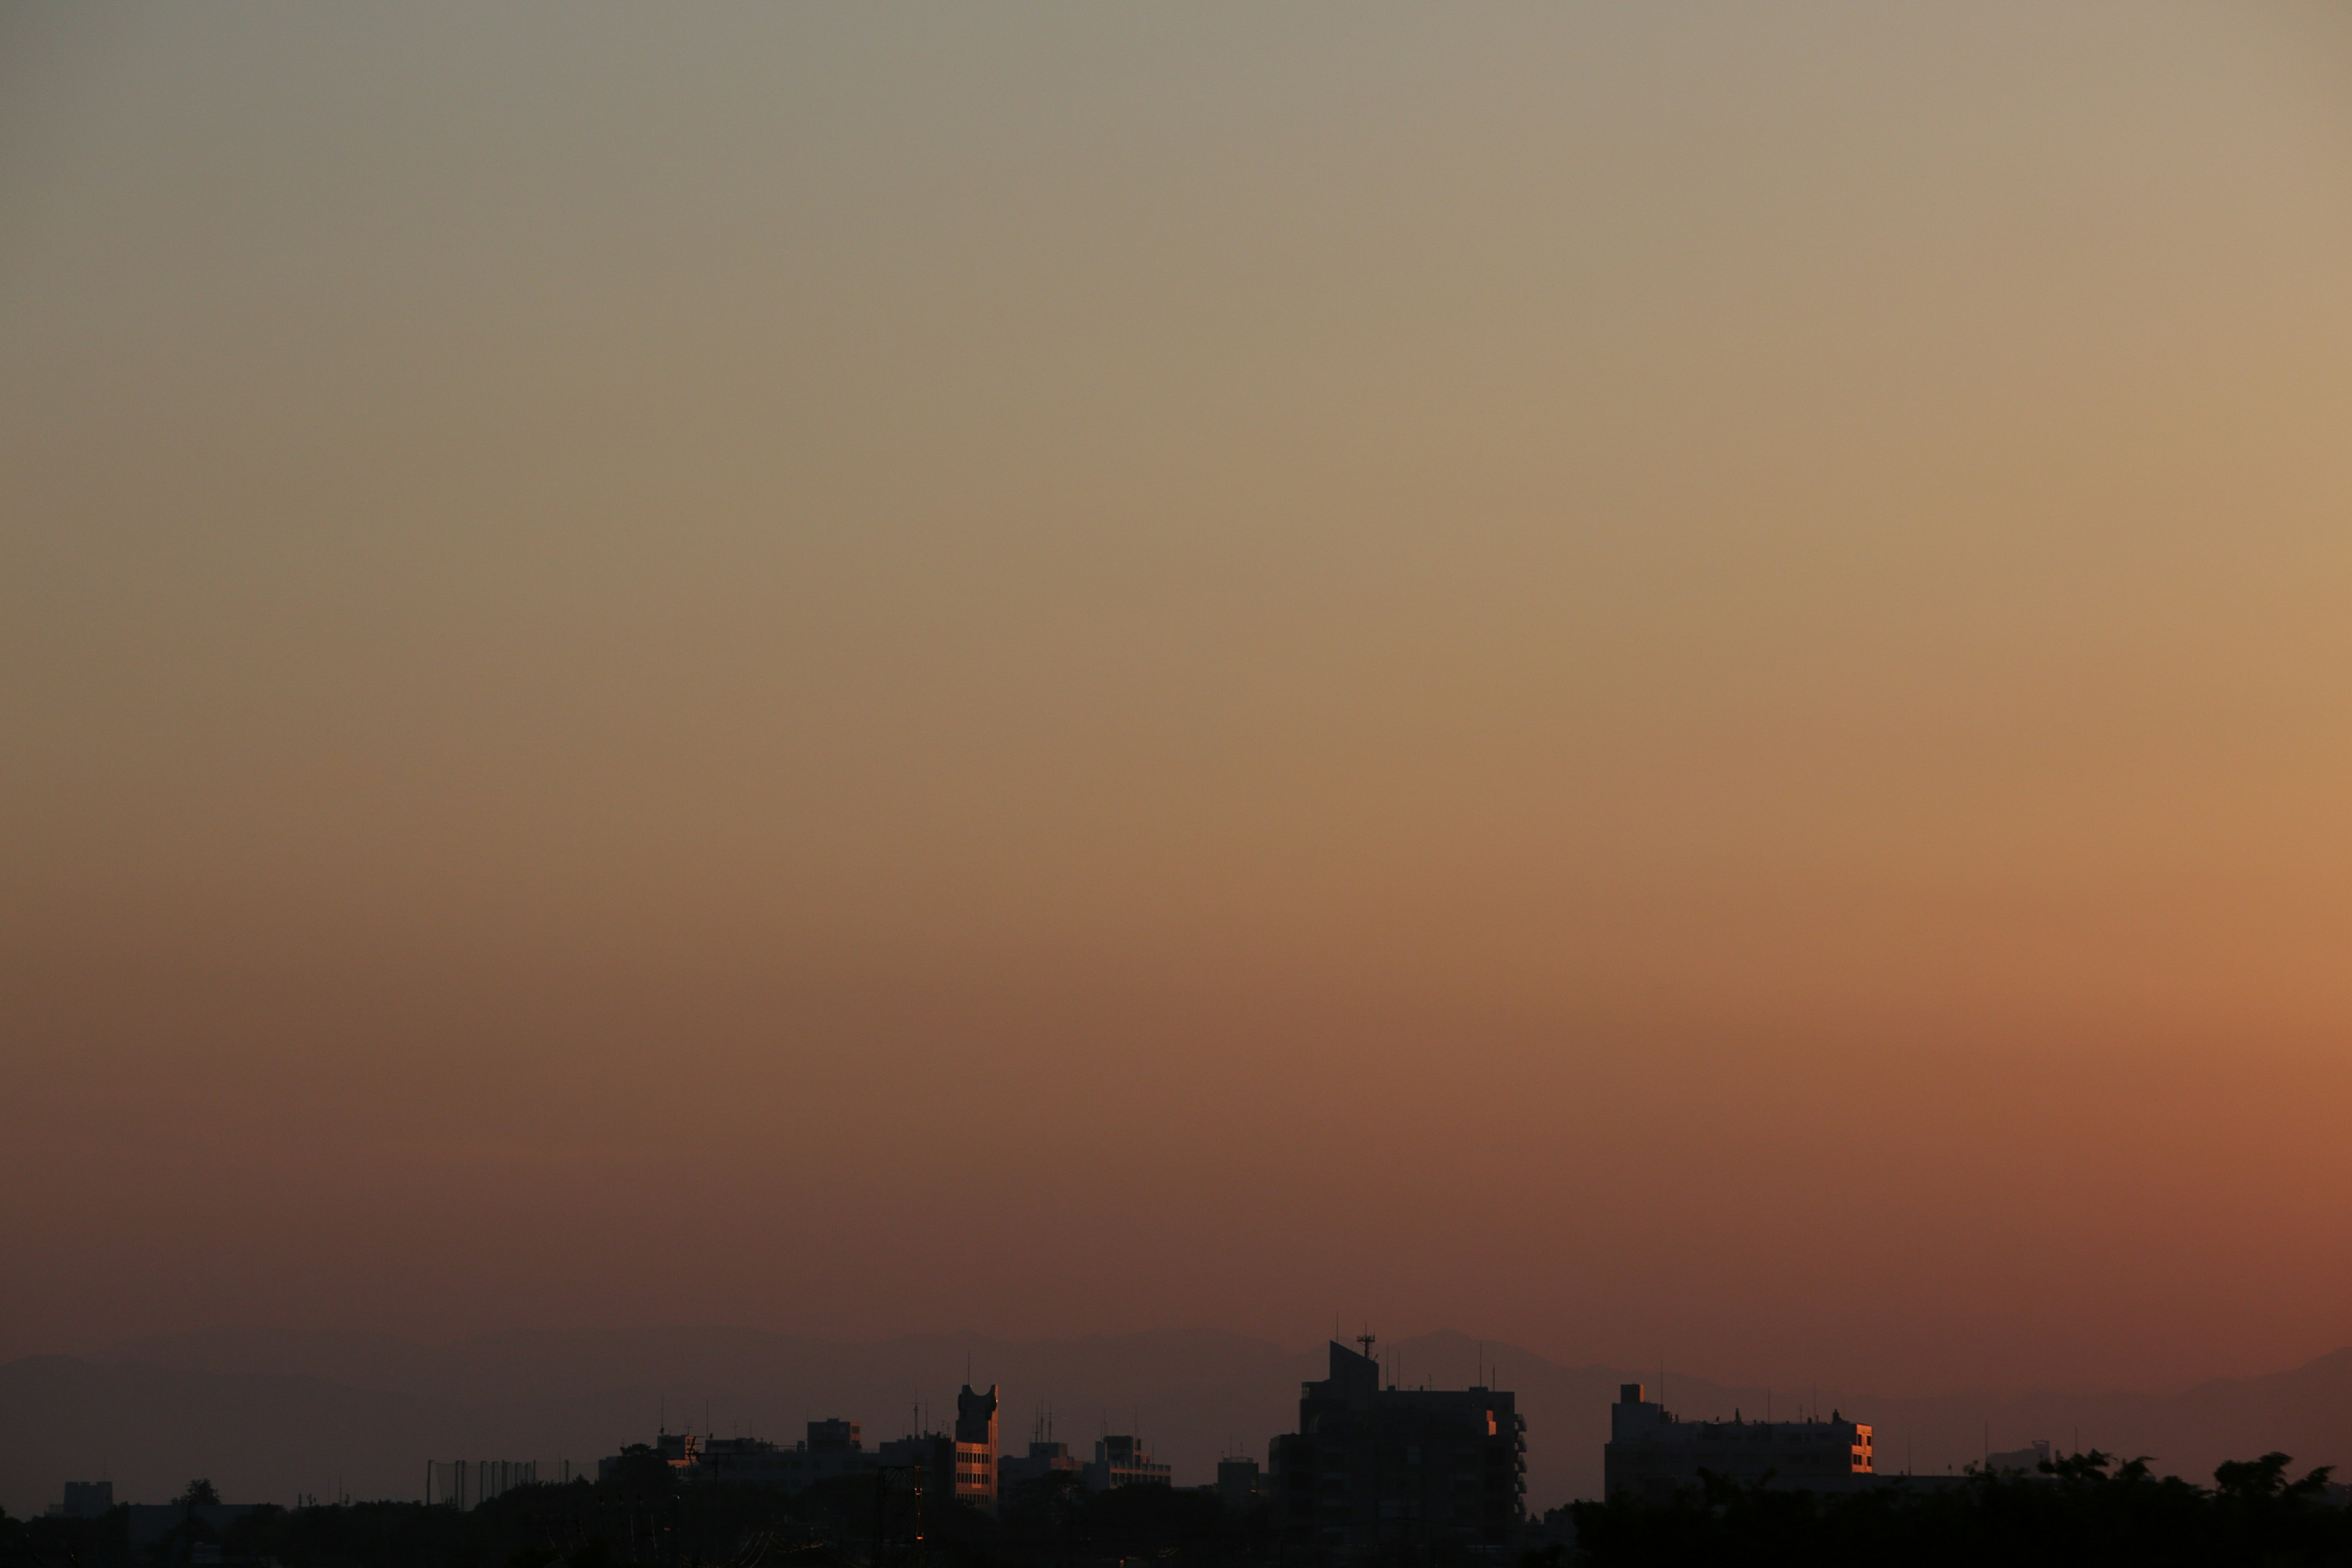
<point x="1664" y="680"/>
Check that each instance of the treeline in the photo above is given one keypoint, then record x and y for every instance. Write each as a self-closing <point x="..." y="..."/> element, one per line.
<point x="648" y="1520"/>
<point x="2082" y="1511"/>
<point x="2087" y="1511"/>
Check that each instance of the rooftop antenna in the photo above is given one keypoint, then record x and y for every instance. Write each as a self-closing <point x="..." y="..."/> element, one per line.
<point x="1366" y="1339"/>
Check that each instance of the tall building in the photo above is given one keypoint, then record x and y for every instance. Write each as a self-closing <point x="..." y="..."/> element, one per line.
<point x="1653" y="1455"/>
<point x="1370" y="1464"/>
<point x="975" y="1448"/>
<point x="960" y="1465"/>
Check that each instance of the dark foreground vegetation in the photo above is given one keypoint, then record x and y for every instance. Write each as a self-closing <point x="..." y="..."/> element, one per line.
<point x="649" y="1521"/>
<point x="2088" y="1511"/>
<point x="2085" y="1511"/>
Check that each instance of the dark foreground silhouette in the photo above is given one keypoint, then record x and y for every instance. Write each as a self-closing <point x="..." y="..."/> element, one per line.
<point x="2087" y="1509"/>
<point x="645" y="1519"/>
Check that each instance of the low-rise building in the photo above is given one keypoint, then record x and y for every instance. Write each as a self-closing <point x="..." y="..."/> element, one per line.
<point x="84" y="1500"/>
<point x="1652" y="1454"/>
<point x="1120" y="1461"/>
<point x="2028" y="1459"/>
<point x="833" y="1447"/>
<point x="1240" y="1482"/>
<point x="1046" y="1457"/>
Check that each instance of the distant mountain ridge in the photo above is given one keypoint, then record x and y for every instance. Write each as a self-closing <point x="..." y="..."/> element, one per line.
<point x="268" y="1414"/>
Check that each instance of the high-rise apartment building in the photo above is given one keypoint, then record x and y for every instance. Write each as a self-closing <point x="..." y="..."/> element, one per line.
<point x="1370" y="1464"/>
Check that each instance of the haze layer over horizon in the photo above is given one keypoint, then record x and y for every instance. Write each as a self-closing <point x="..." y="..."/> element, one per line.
<point x="1661" y="681"/>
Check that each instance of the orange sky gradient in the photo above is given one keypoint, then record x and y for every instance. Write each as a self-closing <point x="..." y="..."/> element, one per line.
<point x="1661" y="681"/>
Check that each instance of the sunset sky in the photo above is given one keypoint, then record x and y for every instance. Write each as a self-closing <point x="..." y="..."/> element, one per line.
<point x="1659" y="681"/>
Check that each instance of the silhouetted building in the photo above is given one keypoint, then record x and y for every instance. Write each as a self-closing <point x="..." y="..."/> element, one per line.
<point x="1120" y="1461"/>
<point x="84" y="1500"/>
<point x="933" y="1455"/>
<point x="960" y="1465"/>
<point x="833" y="1447"/>
<point x="1370" y="1464"/>
<point x="1239" y="1483"/>
<point x="678" y="1450"/>
<point x="1043" y="1458"/>
<point x="1046" y="1457"/>
<point x="750" y="1462"/>
<point x="2029" y="1458"/>
<point x="1653" y="1455"/>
